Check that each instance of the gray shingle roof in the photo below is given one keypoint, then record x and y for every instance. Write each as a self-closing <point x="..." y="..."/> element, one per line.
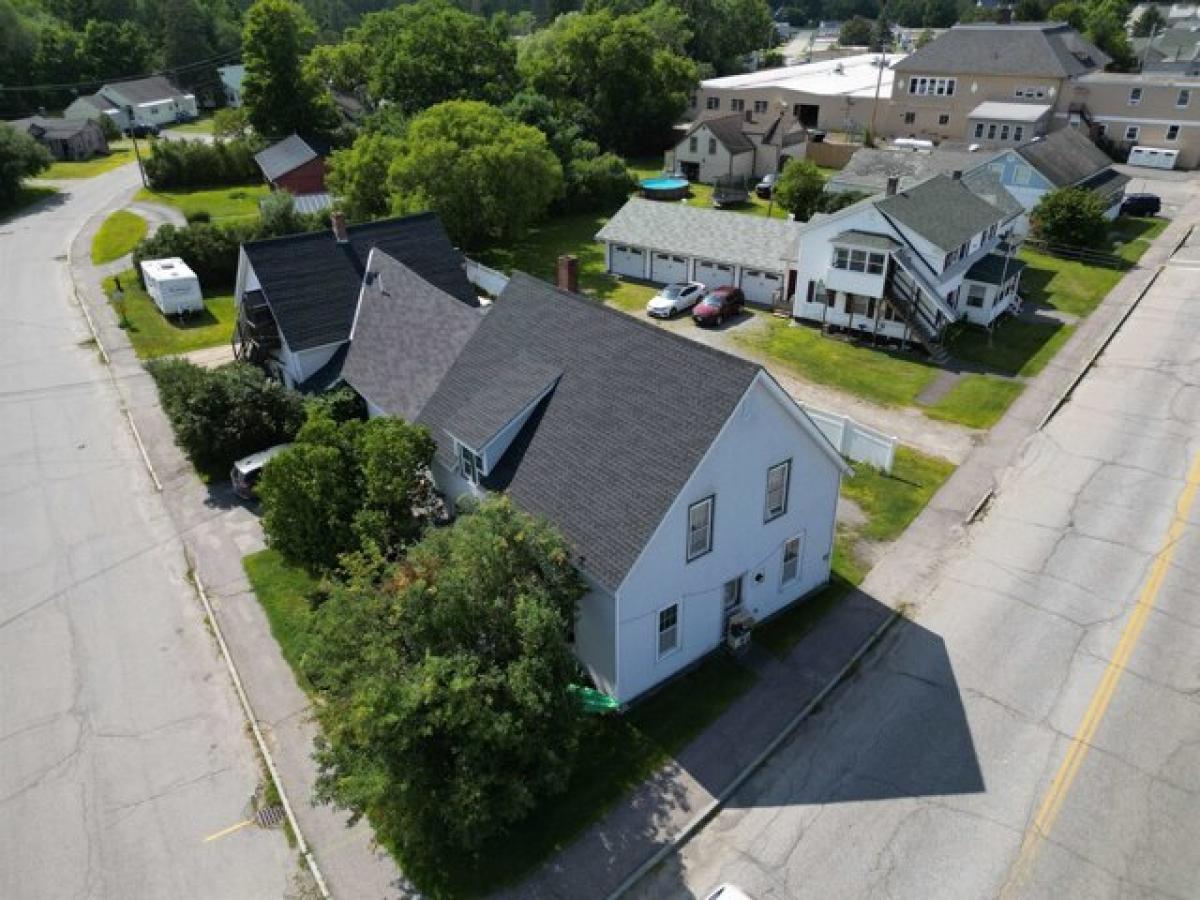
<point x="284" y="156"/>
<point x="311" y="282"/>
<point x="986" y="184"/>
<point x="719" y="235"/>
<point x="52" y="126"/>
<point x="870" y="167"/>
<point x="145" y="90"/>
<point x="608" y="451"/>
<point x="510" y="391"/>
<point x="866" y="239"/>
<point x="407" y="333"/>
<point x="729" y="130"/>
<point x="942" y="210"/>
<point x="1050" y="49"/>
<point x="993" y="267"/>
<point x="1065" y="157"/>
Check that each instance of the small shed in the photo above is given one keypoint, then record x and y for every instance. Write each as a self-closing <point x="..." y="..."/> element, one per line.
<point x="173" y="286"/>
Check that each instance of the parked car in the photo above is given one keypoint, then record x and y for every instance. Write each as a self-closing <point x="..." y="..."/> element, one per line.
<point x="138" y="130"/>
<point x="719" y="304"/>
<point x="1141" y="205"/>
<point x="675" y="298"/>
<point x="245" y="472"/>
<point x="766" y="187"/>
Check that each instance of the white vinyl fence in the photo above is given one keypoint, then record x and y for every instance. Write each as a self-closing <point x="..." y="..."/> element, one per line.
<point x="485" y="279"/>
<point x="855" y="441"/>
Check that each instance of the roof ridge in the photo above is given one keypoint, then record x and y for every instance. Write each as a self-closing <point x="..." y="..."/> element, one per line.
<point x="325" y="232"/>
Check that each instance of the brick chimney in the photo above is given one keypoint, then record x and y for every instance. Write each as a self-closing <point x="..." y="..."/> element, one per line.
<point x="956" y="174"/>
<point x="893" y="185"/>
<point x="568" y="273"/>
<point x="338" y="220"/>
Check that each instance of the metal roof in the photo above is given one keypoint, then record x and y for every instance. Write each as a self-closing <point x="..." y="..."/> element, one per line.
<point x="1010" y="112"/>
<point x="284" y="156"/>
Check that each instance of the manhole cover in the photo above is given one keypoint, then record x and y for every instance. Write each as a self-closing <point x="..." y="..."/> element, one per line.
<point x="269" y="816"/>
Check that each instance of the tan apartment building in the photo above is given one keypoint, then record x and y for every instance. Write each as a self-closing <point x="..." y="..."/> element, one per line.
<point x="1147" y="109"/>
<point x="844" y="94"/>
<point x="987" y="74"/>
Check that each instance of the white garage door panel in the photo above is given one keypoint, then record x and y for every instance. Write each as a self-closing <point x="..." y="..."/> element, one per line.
<point x="712" y="274"/>
<point x="760" y="287"/>
<point x="666" y="268"/>
<point x="628" y="261"/>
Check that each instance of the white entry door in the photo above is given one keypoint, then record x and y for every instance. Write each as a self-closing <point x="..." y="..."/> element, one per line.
<point x="760" y="287"/>
<point x="713" y="274"/>
<point x="628" y="261"/>
<point x="665" y="268"/>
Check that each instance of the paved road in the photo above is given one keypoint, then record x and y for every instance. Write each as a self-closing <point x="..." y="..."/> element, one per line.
<point x="1035" y="732"/>
<point x="121" y="742"/>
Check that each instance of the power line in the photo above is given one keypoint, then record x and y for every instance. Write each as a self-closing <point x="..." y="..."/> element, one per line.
<point x="199" y="64"/>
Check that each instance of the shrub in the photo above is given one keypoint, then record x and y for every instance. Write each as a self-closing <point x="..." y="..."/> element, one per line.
<point x="210" y="250"/>
<point x="1070" y="216"/>
<point x="198" y="215"/>
<point x="112" y="131"/>
<point x="185" y="164"/>
<point x="598" y="182"/>
<point x="220" y="415"/>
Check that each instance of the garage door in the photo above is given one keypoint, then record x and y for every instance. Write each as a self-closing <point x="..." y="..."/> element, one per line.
<point x="712" y="274"/>
<point x="628" y="261"/>
<point x="760" y="287"/>
<point x="666" y="268"/>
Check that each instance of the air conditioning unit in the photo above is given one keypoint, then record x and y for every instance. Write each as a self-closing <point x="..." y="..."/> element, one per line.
<point x="737" y="631"/>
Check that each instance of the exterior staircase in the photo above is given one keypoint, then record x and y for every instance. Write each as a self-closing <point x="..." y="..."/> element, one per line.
<point x="904" y="294"/>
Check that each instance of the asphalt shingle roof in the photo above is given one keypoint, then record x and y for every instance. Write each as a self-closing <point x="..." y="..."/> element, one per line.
<point x="52" y="126"/>
<point x="870" y="167"/>
<point x="942" y="210"/>
<point x="1065" y="157"/>
<point x="722" y="236"/>
<point x="612" y="445"/>
<point x="994" y="267"/>
<point x="407" y="333"/>
<point x="1050" y="49"/>
<point x="729" y="130"/>
<point x="145" y="90"/>
<point x="866" y="239"/>
<point x="311" y="282"/>
<point x="284" y="156"/>
<point x="986" y="184"/>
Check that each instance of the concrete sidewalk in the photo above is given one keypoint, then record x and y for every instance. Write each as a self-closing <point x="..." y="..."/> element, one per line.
<point x="652" y="816"/>
<point x="218" y="531"/>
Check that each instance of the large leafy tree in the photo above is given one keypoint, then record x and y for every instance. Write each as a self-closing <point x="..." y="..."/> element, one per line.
<point x="110" y="49"/>
<point x="800" y="188"/>
<point x="20" y="157"/>
<point x="616" y="68"/>
<point x="485" y="175"/>
<point x="856" y="32"/>
<point x="359" y="175"/>
<point x="431" y="51"/>
<point x="1070" y="216"/>
<point x="446" y="710"/>
<point x="1149" y="21"/>
<point x="281" y="96"/>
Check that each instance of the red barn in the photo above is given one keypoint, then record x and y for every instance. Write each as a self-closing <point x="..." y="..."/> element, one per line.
<point x="293" y="165"/>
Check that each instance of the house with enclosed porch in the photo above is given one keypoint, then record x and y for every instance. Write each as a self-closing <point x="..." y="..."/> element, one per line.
<point x="905" y="265"/>
<point x="669" y="242"/>
<point x="692" y="490"/>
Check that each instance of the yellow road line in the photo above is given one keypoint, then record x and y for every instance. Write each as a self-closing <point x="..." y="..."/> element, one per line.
<point x="224" y="832"/>
<point x="1044" y="821"/>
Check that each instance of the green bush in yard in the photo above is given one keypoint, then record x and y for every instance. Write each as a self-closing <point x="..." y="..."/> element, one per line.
<point x="20" y="157"/>
<point x="220" y="415"/>
<point x="445" y="711"/>
<point x="210" y="250"/>
<point x="183" y="164"/>
<point x="1070" y="216"/>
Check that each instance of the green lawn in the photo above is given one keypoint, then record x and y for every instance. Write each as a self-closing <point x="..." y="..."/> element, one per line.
<point x="153" y="334"/>
<point x="1015" y="347"/>
<point x="1069" y="286"/>
<point x="1131" y="237"/>
<point x="225" y="204"/>
<point x="886" y="377"/>
<point x="202" y="125"/>
<point x="120" y="152"/>
<point x="977" y="401"/>
<point x="27" y="196"/>
<point x="118" y="235"/>
<point x="283" y="590"/>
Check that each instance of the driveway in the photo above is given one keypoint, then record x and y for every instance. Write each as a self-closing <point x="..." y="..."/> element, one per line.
<point x="123" y="744"/>
<point x="1175" y="187"/>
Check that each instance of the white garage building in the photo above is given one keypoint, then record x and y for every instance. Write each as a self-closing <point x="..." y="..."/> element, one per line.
<point x="664" y="242"/>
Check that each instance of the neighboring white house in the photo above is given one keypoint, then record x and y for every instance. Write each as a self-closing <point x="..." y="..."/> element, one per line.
<point x="231" y="82"/>
<point x="736" y="146"/>
<point x="666" y="242"/>
<point x="690" y="487"/>
<point x="906" y="264"/>
<point x="142" y="101"/>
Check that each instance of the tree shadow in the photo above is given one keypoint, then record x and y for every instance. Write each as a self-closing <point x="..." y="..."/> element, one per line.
<point x="31" y="199"/>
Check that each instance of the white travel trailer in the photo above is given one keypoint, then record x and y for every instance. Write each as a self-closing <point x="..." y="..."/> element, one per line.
<point x="173" y="286"/>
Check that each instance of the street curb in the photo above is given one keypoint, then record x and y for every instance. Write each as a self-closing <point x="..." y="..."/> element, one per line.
<point x="686" y="833"/>
<point x="248" y="711"/>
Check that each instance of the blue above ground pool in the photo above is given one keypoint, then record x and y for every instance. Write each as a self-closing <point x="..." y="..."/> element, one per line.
<point x="664" y="188"/>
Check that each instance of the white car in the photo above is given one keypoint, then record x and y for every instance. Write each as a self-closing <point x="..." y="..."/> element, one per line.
<point x="675" y="298"/>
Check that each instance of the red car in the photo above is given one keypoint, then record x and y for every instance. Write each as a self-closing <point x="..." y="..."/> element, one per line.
<point x="718" y="305"/>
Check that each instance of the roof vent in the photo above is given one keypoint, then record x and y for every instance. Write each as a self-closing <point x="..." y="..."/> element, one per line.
<point x="839" y="68"/>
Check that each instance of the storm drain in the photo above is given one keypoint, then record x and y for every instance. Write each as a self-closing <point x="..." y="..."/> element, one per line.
<point x="269" y="816"/>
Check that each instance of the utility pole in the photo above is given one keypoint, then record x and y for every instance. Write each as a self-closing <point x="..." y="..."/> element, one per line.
<point x="878" y="86"/>
<point x="136" y="150"/>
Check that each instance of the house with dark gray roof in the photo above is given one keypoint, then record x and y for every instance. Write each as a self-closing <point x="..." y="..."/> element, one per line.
<point x="65" y="138"/>
<point x="671" y="242"/>
<point x="905" y="264"/>
<point x="142" y="101"/>
<point x="297" y="296"/>
<point x="736" y="146"/>
<point x="692" y="490"/>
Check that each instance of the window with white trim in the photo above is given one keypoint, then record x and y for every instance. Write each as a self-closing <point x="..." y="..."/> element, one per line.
<point x="978" y="129"/>
<point x="1004" y="132"/>
<point x="976" y="294"/>
<point x="693" y="144"/>
<point x="760" y="106"/>
<point x="1135" y="96"/>
<point x="909" y="118"/>
<point x="712" y="145"/>
<point x="1184" y="98"/>
<point x="778" y="477"/>
<point x="713" y="103"/>
<point x="700" y="528"/>
<point x="932" y="87"/>
<point x="1172" y="132"/>
<point x="790" y="568"/>
<point x="1132" y="133"/>
<point x="668" y="630"/>
<point x="469" y="464"/>
<point x="737" y="104"/>
<point x="1018" y="133"/>
<point x="944" y="119"/>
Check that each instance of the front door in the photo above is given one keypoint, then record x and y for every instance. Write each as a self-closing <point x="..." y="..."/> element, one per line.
<point x="731" y="599"/>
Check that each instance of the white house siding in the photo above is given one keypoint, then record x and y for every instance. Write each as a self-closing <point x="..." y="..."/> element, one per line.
<point x="760" y="433"/>
<point x="596" y="636"/>
<point x="296" y="366"/>
<point x="816" y="255"/>
<point x="715" y="164"/>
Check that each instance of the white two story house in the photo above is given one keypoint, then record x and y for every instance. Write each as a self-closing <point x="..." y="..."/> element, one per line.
<point x="906" y="264"/>
<point x="690" y="487"/>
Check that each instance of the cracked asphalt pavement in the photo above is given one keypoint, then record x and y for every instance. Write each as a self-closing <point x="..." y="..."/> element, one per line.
<point x="924" y="774"/>
<point x="122" y="745"/>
